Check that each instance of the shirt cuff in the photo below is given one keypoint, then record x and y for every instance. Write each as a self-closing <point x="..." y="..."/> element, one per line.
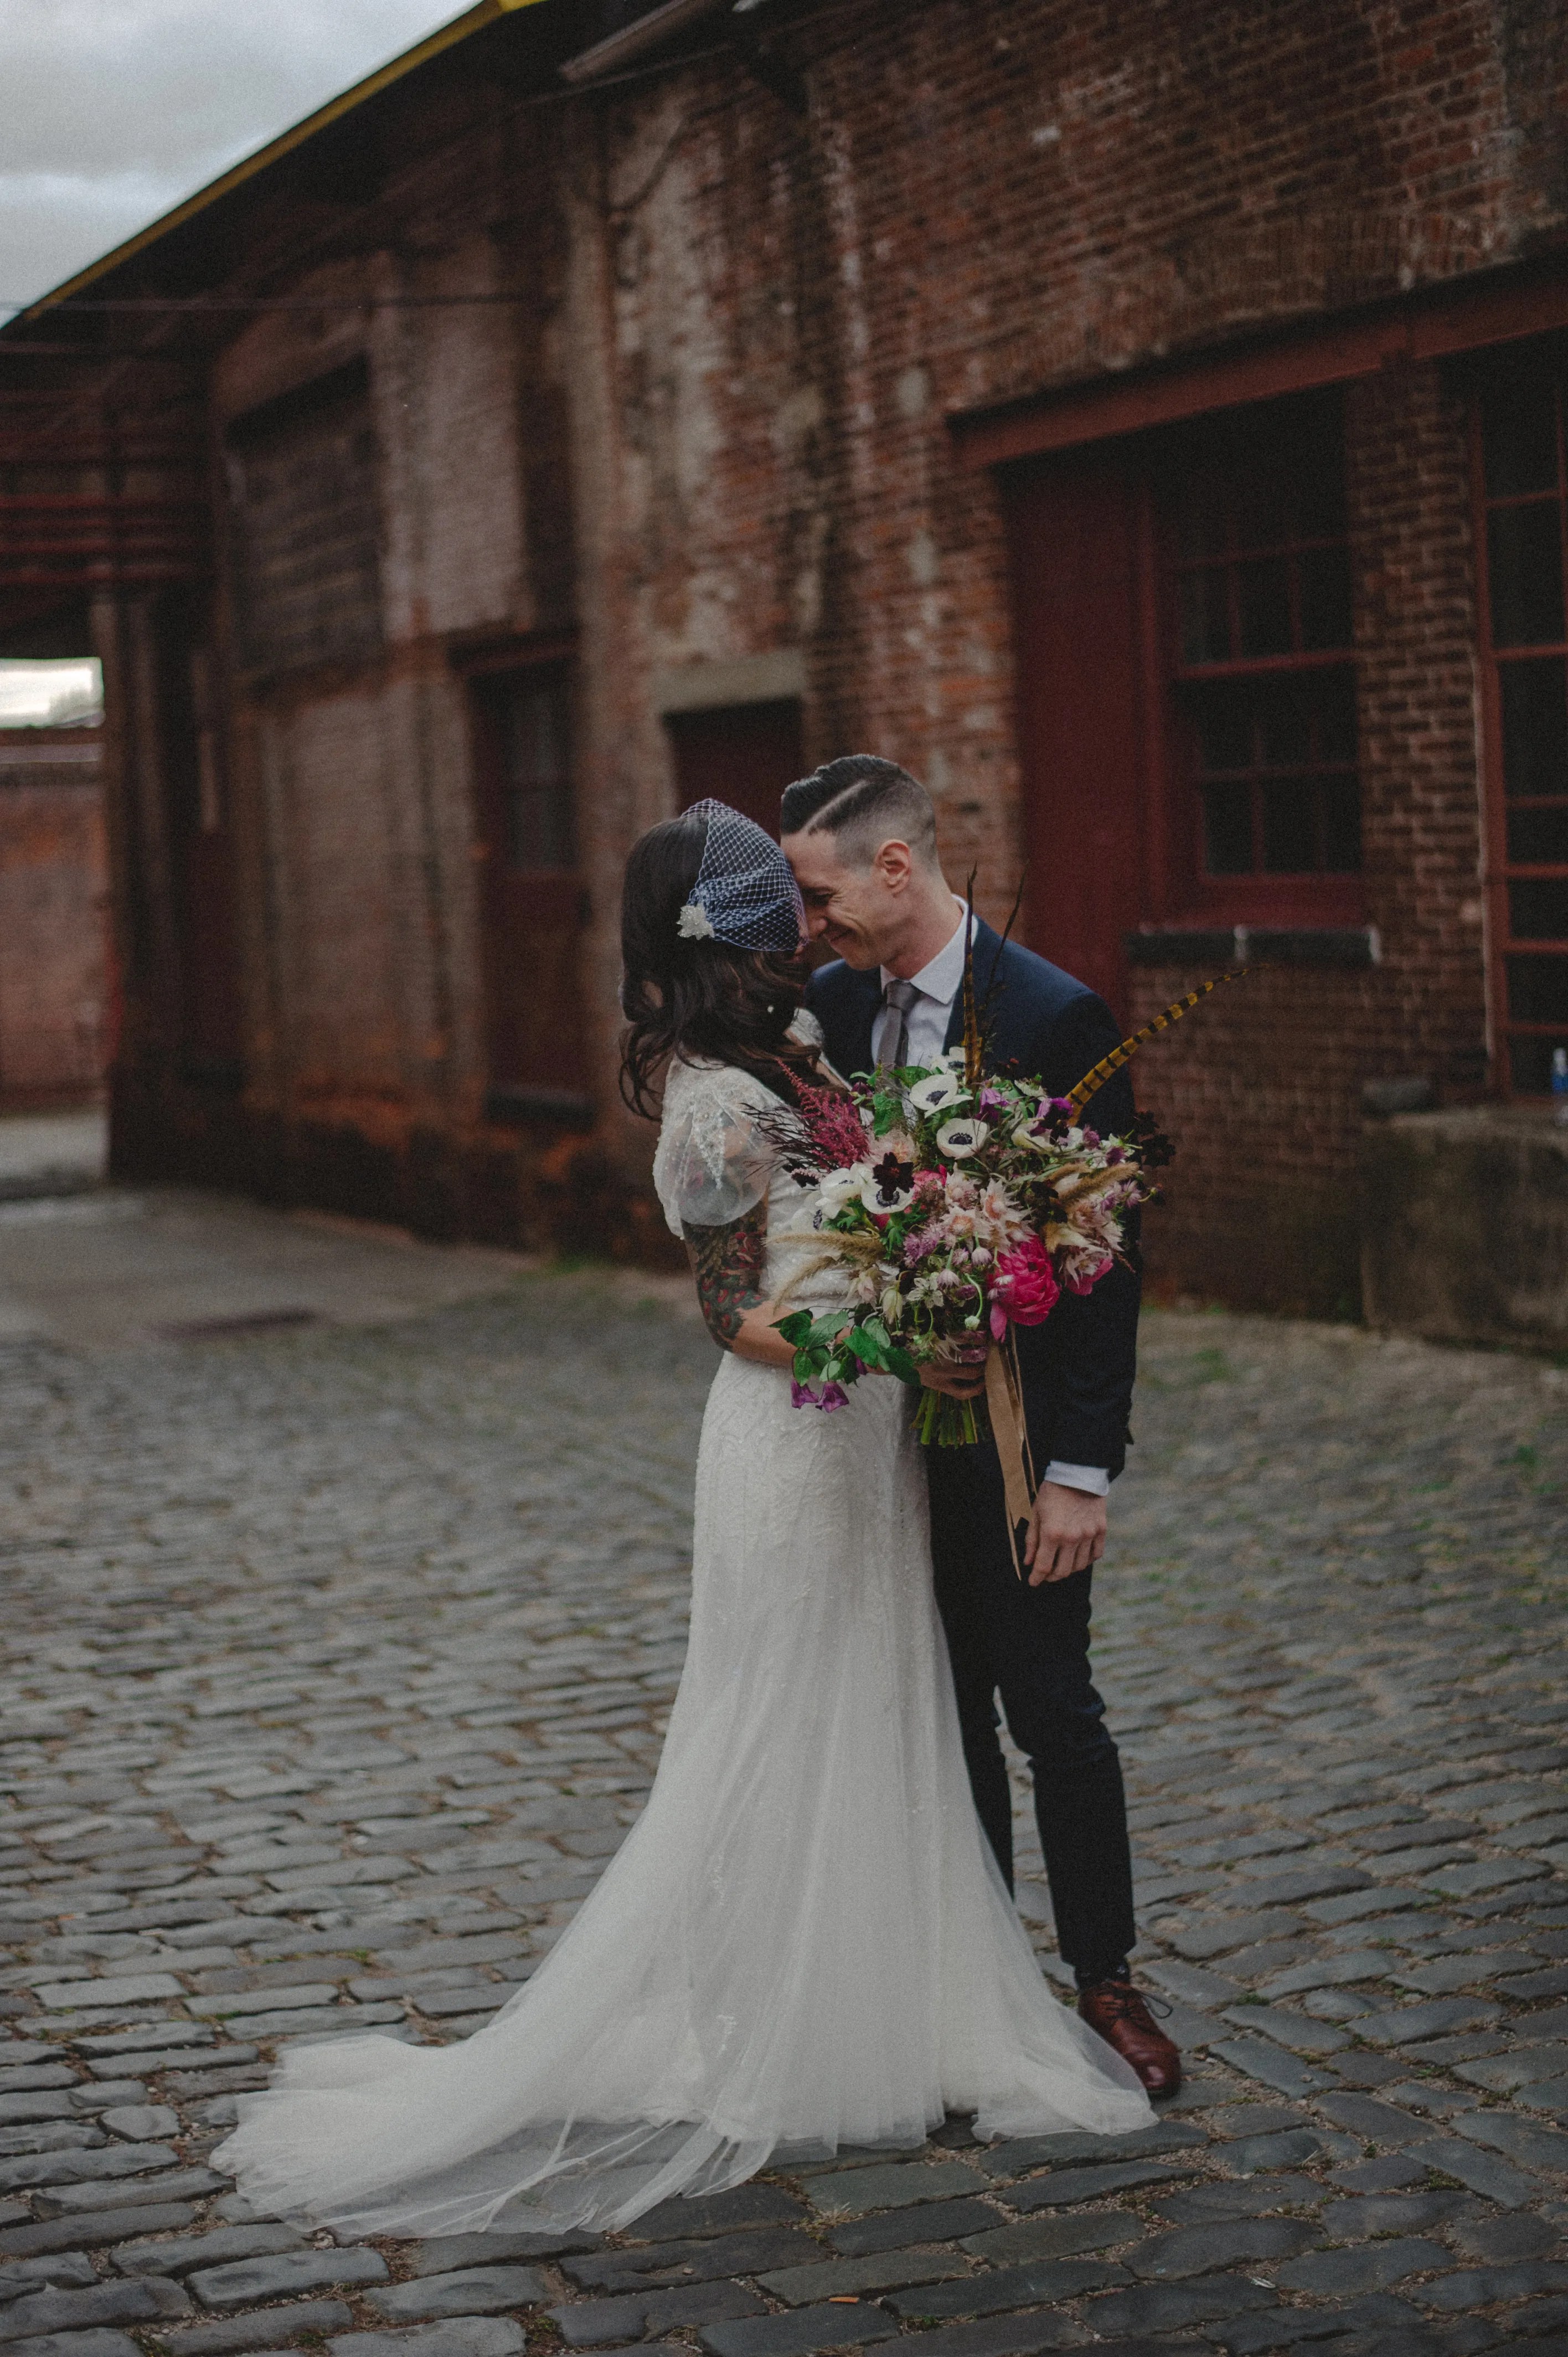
<point x="1092" y="1478"/>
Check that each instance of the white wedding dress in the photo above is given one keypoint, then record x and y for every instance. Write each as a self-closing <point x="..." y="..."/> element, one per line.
<point x="804" y="1942"/>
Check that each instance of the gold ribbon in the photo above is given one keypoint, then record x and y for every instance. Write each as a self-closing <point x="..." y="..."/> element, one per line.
<point x="1004" y="1399"/>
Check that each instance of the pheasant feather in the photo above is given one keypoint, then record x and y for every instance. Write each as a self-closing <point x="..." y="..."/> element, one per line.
<point x="1092" y="1081"/>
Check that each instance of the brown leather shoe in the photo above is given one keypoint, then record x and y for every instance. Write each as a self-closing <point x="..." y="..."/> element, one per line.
<point x="1115" y="2011"/>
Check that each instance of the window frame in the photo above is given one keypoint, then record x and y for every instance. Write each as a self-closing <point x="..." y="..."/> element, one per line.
<point x="1498" y="870"/>
<point x="516" y="902"/>
<point x="1303" y="897"/>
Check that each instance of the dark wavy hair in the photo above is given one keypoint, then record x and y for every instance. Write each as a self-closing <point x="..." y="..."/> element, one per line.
<point x="693" y="998"/>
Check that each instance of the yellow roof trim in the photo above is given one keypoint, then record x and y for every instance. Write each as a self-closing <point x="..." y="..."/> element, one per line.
<point x="445" y="37"/>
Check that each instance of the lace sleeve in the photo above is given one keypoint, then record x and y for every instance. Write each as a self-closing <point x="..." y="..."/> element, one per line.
<point x="714" y="1160"/>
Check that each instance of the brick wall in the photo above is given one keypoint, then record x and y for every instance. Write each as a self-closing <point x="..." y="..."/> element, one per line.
<point x="713" y="425"/>
<point x="52" y="886"/>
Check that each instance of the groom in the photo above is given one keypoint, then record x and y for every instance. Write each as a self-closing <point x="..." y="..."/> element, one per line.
<point x="861" y="835"/>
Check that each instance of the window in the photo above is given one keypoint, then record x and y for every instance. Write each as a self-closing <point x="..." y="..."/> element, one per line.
<point x="532" y="721"/>
<point x="1524" y="498"/>
<point x="303" y="500"/>
<point x="1259" y="635"/>
<point x="533" y="901"/>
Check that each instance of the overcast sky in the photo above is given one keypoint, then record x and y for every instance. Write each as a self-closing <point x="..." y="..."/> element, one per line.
<point x="115" y="109"/>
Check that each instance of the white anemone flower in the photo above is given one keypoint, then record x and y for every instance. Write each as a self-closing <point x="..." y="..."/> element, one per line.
<point x="693" y="923"/>
<point x="837" y="1187"/>
<point x="959" y="1139"/>
<point x="937" y="1094"/>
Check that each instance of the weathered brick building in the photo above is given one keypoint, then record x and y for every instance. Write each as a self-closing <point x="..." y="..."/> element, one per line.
<point x="1145" y="423"/>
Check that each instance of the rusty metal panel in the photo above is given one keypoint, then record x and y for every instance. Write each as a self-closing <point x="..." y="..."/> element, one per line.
<point x="306" y="538"/>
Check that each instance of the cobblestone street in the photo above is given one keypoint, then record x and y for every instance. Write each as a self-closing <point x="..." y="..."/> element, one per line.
<point x="336" y="1661"/>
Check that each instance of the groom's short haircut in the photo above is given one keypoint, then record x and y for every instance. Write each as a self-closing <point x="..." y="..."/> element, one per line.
<point x="864" y="802"/>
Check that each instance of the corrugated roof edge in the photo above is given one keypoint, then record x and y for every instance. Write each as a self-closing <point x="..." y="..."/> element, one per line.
<point x="445" y="37"/>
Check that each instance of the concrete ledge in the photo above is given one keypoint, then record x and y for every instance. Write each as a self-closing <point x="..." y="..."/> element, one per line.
<point x="1464" y="1225"/>
<point x="749" y="679"/>
<point x="1322" y="945"/>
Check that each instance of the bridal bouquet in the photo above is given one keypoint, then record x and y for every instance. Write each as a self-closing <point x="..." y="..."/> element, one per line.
<point x="960" y="1204"/>
<point x="959" y="1208"/>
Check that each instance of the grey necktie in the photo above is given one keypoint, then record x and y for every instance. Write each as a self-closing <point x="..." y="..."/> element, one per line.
<point x="901" y="998"/>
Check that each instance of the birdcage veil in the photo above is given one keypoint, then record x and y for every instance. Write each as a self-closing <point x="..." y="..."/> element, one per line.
<point x="745" y="893"/>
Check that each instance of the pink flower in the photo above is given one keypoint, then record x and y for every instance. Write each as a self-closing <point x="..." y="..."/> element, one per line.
<point x="1026" y="1290"/>
<point x="837" y="1132"/>
<point x="1087" y="1284"/>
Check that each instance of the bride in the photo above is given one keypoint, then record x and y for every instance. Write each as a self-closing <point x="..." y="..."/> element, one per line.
<point x="804" y="1942"/>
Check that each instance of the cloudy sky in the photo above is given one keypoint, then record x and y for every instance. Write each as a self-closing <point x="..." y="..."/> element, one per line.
<point x="115" y="109"/>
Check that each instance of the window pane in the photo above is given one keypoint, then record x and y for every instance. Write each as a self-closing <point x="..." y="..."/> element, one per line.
<point x="1324" y="576"/>
<point x="1285" y="727"/>
<point x="1335" y="694"/>
<point x="540" y="829"/>
<point x="1225" y="729"/>
<point x="1538" y="990"/>
<point x="1531" y="1062"/>
<point x="1537" y="837"/>
<point x="1535" y="726"/>
<point x="1228" y="829"/>
<point x="1265" y="503"/>
<point x="1290" y="828"/>
<point x="1519" y="428"/>
<point x="1320" y="475"/>
<point x="1538" y="911"/>
<point x="1526" y="556"/>
<point x="1205" y="619"/>
<point x="1200" y="520"/>
<point x="1341" y="825"/>
<point x="1264" y="589"/>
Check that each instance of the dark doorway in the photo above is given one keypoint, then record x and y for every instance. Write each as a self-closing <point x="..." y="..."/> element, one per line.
<point x="535" y="898"/>
<point x="201" y="856"/>
<point x="743" y="754"/>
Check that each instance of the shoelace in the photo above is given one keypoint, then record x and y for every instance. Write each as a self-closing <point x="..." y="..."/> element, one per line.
<point x="1128" y="1999"/>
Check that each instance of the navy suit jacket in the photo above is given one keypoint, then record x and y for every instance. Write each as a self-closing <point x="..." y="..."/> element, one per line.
<point x="1078" y="1368"/>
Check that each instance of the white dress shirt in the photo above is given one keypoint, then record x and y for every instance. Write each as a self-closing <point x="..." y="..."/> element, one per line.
<point x="939" y="985"/>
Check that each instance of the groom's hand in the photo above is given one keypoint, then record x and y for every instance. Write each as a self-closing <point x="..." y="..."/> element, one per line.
<point x="1066" y="1533"/>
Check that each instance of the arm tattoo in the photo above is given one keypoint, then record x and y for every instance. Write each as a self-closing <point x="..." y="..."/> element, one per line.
<point x="728" y="1263"/>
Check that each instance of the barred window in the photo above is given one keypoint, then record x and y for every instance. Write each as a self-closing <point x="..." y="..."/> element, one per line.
<point x="306" y="527"/>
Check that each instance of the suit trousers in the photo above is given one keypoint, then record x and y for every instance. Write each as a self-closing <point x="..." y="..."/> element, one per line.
<point x="1030" y="1647"/>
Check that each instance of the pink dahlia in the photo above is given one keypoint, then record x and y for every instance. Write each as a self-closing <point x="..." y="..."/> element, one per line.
<point x="1025" y="1288"/>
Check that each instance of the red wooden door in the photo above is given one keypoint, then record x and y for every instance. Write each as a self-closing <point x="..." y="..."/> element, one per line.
<point x="1076" y="538"/>
<point x="744" y="755"/>
<point x="535" y="898"/>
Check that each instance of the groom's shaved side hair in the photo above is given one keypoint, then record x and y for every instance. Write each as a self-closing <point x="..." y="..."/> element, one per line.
<point x="864" y="802"/>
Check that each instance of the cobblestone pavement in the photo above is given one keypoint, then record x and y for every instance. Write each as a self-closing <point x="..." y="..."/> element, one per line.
<point x="335" y="1665"/>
